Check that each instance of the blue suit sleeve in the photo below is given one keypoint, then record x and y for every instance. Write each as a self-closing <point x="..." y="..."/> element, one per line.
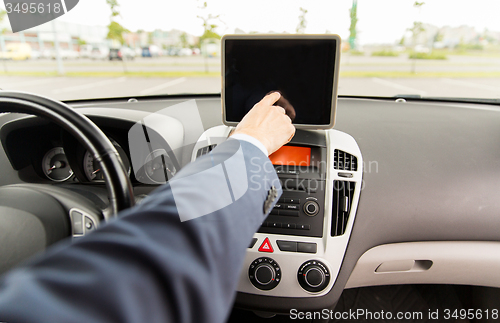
<point x="150" y="264"/>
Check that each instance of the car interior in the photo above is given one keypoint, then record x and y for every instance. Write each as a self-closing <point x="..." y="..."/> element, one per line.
<point x="389" y="203"/>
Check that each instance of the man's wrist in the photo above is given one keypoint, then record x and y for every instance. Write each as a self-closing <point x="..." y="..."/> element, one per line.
<point x="252" y="140"/>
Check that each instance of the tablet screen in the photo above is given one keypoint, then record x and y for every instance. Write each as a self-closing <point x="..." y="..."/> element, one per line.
<point x="303" y="70"/>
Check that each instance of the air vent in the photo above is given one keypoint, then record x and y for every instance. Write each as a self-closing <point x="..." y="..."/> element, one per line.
<point x="344" y="161"/>
<point x="343" y="192"/>
<point x="205" y="150"/>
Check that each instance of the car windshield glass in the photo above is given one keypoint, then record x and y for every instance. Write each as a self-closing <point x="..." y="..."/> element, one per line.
<point x="155" y="47"/>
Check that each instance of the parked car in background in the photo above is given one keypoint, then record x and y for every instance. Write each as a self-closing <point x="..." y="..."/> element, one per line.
<point x="173" y="52"/>
<point x="46" y="53"/>
<point x="65" y="54"/>
<point x="99" y="52"/>
<point x="85" y="51"/>
<point x="16" y="51"/>
<point x="150" y="51"/>
<point x="35" y="54"/>
<point x="185" y="52"/>
<point x="121" y="53"/>
<point x="146" y="52"/>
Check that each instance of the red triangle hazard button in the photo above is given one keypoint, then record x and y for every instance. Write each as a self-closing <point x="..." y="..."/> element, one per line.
<point x="266" y="246"/>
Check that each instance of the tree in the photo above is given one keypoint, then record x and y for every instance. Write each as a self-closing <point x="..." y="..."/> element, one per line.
<point x="418" y="4"/>
<point x="301" y="27"/>
<point x="115" y="32"/>
<point x="402" y="41"/>
<point x="353" y="13"/>
<point x="209" y="32"/>
<point x="416" y="30"/>
<point x="184" y="40"/>
<point x="208" y="25"/>
<point x="81" y="42"/>
<point x="3" y="13"/>
<point x="114" y="6"/>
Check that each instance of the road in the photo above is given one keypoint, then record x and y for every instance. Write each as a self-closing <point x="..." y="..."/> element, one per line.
<point x="479" y="77"/>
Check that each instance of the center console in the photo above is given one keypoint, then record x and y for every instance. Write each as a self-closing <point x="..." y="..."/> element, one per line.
<point x="299" y="249"/>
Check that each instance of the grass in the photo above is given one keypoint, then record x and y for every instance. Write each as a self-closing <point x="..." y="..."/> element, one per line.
<point x="356" y="53"/>
<point x="385" y="52"/>
<point x="433" y="55"/>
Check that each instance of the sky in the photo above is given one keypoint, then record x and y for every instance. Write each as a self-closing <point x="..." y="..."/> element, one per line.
<point x="380" y="21"/>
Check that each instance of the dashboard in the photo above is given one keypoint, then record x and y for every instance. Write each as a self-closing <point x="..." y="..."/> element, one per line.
<point x="417" y="201"/>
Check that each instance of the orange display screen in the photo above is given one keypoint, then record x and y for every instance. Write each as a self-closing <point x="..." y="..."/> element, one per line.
<point x="291" y="156"/>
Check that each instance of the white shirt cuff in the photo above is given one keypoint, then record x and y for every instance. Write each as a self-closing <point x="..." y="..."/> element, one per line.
<point x="252" y="140"/>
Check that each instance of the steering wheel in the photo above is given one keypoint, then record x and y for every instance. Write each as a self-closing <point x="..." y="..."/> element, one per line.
<point x="33" y="216"/>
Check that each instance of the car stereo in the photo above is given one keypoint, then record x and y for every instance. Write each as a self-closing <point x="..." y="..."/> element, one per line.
<point x="300" y="166"/>
<point x="303" y="68"/>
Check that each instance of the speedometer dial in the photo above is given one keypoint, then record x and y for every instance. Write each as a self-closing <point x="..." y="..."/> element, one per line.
<point x="55" y="165"/>
<point x="92" y="168"/>
<point x="159" y="167"/>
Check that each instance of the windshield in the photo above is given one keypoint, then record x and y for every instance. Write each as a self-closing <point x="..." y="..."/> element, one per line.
<point x="127" y="48"/>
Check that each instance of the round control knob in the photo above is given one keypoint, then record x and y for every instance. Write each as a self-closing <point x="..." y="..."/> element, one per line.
<point x="313" y="276"/>
<point x="311" y="208"/>
<point x="264" y="273"/>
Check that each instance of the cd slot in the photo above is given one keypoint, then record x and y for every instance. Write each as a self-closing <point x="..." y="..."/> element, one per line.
<point x="301" y="185"/>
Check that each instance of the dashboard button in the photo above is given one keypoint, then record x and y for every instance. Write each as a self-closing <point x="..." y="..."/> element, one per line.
<point x="292" y="207"/>
<point x="289" y="213"/>
<point x="89" y="225"/>
<point x="77" y="222"/>
<point x="266" y="246"/>
<point x="274" y="212"/>
<point x="292" y="200"/>
<point x="284" y="245"/>
<point x="278" y="206"/>
<point x="288" y="226"/>
<point x="252" y="243"/>
<point x="307" y="247"/>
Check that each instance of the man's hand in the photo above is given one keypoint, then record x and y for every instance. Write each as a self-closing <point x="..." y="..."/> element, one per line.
<point x="267" y="123"/>
<point x="285" y="104"/>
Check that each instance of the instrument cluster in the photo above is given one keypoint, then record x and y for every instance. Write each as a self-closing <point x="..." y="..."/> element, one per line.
<point x="58" y="165"/>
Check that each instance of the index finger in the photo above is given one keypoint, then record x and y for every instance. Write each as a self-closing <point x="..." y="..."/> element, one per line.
<point x="271" y="99"/>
